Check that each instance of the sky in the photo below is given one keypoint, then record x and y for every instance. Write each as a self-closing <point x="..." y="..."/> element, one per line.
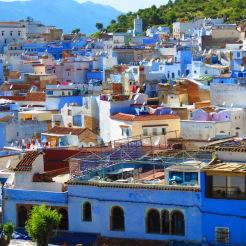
<point x="123" y="5"/>
<point x="129" y="5"/>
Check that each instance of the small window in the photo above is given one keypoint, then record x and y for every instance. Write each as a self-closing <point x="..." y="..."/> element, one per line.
<point x="163" y="131"/>
<point x="178" y="223"/>
<point x="87" y="215"/>
<point x="145" y="132"/>
<point x="153" y="223"/>
<point x="125" y="132"/>
<point x="117" y="219"/>
<point x="154" y="131"/>
<point x="222" y="235"/>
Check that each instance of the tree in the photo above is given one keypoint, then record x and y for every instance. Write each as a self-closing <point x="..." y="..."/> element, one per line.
<point x="42" y="224"/>
<point x="7" y="231"/>
<point x="99" y="26"/>
<point x="75" y="31"/>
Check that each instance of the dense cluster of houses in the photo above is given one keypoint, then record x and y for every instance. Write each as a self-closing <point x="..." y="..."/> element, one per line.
<point x="136" y="136"/>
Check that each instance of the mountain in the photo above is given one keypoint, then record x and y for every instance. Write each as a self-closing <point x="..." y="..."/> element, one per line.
<point x="66" y="14"/>
<point x="231" y="10"/>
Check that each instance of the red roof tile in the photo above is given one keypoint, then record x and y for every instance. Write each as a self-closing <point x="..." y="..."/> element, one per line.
<point x="131" y="117"/>
<point x="25" y="164"/>
<point x="66" y="130"/>
<point x="36" y="96"/>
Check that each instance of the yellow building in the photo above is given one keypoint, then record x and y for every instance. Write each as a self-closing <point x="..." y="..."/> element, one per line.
<point x="158" y="127"/>
<point x="35" y="115"/>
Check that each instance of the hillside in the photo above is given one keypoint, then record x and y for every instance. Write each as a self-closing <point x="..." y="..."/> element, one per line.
<point x="66" y="14"/>
<point x="230" y="10"/>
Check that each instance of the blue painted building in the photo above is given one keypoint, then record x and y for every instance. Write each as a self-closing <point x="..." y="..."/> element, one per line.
<point x="131" y="199"/>
<point x="146" y="212"/>
<point x="1" y="72"/>
<point x="223" y="200"/>
<point x="55" y="49"/>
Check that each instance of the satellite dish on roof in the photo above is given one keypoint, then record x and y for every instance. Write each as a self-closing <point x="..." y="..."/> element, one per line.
<point x="8" y="164"/>
<point x="157" y="141"/>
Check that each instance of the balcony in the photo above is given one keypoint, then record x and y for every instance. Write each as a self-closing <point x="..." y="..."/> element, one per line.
<point x="227" y="193"/>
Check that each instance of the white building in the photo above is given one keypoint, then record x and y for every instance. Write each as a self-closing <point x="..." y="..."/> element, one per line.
<point x="182" y="29"/>
<point x="11" y="32"/>
<point x="106" y="110"/>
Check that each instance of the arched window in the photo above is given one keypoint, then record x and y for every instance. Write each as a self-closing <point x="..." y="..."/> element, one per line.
<point x="117" y="219"/>
<point x="165" y="229"/>
<point x="87" y="215"/>
<point x="22" y="216"/>
<point x="64" y="221"/>
<point x="153" y="223"/>
<point x="178" y="223"/>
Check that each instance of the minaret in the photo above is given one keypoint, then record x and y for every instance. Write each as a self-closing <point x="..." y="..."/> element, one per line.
<point x="138" y="26"/>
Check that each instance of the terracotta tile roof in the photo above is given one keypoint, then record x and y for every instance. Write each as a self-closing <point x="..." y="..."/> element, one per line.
<point x="36" y="96"/>
<point x="6" y="118"/>
<point x="9" y="23"/>
<point x="25" y="164"/>
<point x="32" y="96"/>
<point x="6" y="87"/>
<point x="67" y="130"/>
<point x="13" y="98"/>
<point x="131" y="117"/>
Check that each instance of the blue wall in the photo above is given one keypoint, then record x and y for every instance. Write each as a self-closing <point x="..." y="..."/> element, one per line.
<point x="70" y="99"/>
<point x="1" y="73"/>
<point x="94" y="75"/>
<point x="2" y="134"/>
<point x="12" y="197"/>
<point x="223" y="213"/>
<point x="135" y="202"/>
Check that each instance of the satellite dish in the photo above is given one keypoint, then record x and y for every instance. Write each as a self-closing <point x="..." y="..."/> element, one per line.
<point x="157" y="141"/>
<point x="8" y="164"/>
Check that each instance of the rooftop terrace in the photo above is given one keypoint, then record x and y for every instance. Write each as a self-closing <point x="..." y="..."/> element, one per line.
<point x="135" y="165"/>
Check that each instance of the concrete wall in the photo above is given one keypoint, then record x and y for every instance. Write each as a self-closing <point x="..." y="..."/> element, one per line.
<point x="204" y="130"/>
<point x="227" y="95"/>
